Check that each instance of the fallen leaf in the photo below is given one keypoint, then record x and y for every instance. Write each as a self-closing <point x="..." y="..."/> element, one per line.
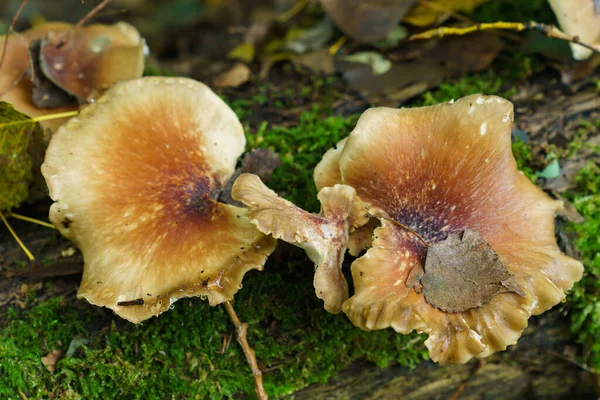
<point x="19" y="136"/>
<point x="367" y="20"/>
<point x="320" y="61"/>
<point x="434" y="12"/>
<point x="393" y="39"/>
<point x="243" y="52"/>
<point x="551" y="171"/>
<point x="379" y="64"/>
<point x="51" y="359"/>
<point x="260" y="162"/>
<point x="464" y="272"/>
<point x="310" y="39"/>
<point x="234" y="77"/>
<point x="417" y="67"/>
<point x="75" y="344"/>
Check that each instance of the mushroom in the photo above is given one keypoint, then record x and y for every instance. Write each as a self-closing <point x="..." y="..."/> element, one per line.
<point x="134" y="179"/>
<point x="81" y="62"/>
<point x="324" y="237"/>
<point x="579" y="18"/>
<point x="439" y="179"/>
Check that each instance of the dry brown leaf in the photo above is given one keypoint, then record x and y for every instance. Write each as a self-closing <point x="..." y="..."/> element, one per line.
<point x="420" y="66"/>
<point x="464" y="272"/>
<point x="367" y="20"/>
<point x="51" y="359"/>
<point x="234" y="77"/>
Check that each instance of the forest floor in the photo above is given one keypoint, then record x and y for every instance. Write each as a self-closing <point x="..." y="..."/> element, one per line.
<point x="305" y="352"/>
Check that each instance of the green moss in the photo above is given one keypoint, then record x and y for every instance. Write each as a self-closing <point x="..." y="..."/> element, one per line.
<point x="585" y="296"/>
<point x="19" y="137"/>
<point x="178" y="355"/>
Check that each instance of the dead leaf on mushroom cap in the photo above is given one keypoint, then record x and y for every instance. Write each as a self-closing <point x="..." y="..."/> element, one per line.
<point x="463" y="272"/>
<point x="137" y="194"/>
<point x="431" y="172"/>
<point x="324" y="237"/>
<point x="367" y="20"/>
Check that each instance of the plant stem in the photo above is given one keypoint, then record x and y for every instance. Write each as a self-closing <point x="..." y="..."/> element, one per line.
<point x="241" y="328"/>
<point x="12" y="232"/>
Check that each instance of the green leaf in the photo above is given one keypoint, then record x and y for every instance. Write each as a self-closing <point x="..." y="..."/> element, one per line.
<point x="18" y="134"/>
<point x="552" y="171"/>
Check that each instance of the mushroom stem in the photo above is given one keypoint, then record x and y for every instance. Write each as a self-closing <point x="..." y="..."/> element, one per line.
<point x="241" y="328"/>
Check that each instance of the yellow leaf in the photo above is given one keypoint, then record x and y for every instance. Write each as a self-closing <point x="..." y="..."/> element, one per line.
<point x="244" y="52"/>
<point x="434" y="12"/>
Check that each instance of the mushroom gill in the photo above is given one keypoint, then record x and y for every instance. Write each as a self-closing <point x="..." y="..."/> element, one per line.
<point x="135" y="178"/>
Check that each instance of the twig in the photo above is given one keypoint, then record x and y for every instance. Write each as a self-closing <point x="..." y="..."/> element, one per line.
<point x="82" y="21"/>
<point x="292" y="12"/>
<point x="550" y="31"/>
<point x="12" y="232"/>
<point x="337" y="45"/>
<point x="463" y="385"/>
<point x="10" y="28"/>
<point x="409" y="230"/>
<point x="241" y="329"/>
<point x="32" y="220"/>
<point x="91" y="14"/>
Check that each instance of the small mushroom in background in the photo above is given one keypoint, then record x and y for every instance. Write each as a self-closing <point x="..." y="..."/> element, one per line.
<point x="324" y="237"/>
<point x="579" y="18"/>
<point x="444" y="184"/>
<point x="54" y="66"/>
<point x="135" y="179"/>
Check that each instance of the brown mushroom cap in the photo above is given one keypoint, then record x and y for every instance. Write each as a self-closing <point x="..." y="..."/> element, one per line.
<point x="134" y="178"/>
<point x="15" y="86"/>
<point x="579" y="18"/>
<point x="439" y="170"/>
<point x="324" y="237"/>
<point x="91" y="59"/>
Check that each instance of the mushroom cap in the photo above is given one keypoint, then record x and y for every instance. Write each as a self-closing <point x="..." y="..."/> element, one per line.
<point x="15" y="87"/>
<point x="134" y="178"/>
<point x="324" y="237"/>
<point x="579" y="18"/>
<point x="439" y="170"/>
<point x="93" y="58"/>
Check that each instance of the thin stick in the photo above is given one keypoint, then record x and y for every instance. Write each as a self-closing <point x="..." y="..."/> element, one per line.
<point x="241" y="329"/>
<point x="10" y="28"/>
<point x="32" y="220"/>
<point x="292" y="12"/>
<point x="41" y="118"/>
<point x="409" y="230"/>
<point x="63" y="38"/>
<point x="12" y="232"/>
<point x="550" y="31"/>
<point x="337" y="45"/>
<point x="91" y="14"/>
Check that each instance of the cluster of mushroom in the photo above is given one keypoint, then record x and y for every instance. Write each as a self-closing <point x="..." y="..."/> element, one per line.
<point x="55" y="66"/>
<point x="460" y="244"/>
